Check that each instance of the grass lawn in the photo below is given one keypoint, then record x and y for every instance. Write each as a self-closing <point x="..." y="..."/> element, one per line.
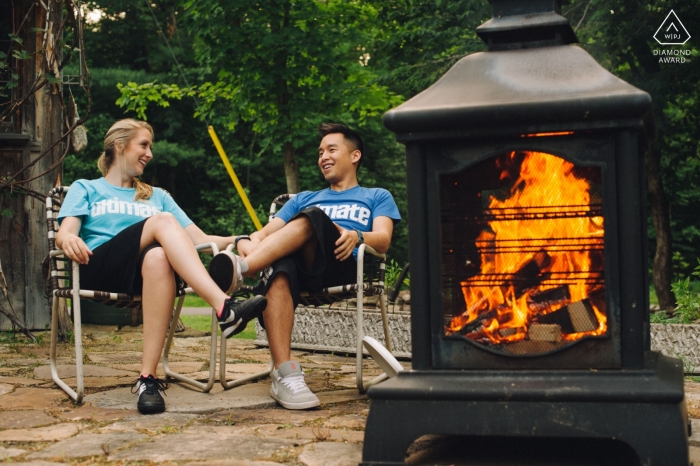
<point x="203" y="323"/>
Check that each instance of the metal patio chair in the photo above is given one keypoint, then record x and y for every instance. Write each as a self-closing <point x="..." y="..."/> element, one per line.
<point x="65" y="283"/>
<point x="372" y="286"/>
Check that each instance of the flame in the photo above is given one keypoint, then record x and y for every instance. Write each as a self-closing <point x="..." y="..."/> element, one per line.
<point x="546" y="225"/>
<point x="539" y="135"/>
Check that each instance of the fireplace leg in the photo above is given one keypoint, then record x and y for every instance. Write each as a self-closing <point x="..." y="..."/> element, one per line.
<point x="639" y="413"/>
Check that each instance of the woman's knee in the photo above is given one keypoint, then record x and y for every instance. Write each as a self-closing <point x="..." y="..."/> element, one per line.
<point x="156" y="262"/>
<point x="163" y="219"/>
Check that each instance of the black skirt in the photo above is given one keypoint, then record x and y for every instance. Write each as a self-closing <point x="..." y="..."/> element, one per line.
<point x="115" y="266"/>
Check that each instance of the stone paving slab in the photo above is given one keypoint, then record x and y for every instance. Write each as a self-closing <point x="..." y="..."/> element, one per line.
<point x="89" y="444"/>
<point x="20" y="381"/>
<point x="182" y="399"/>
<point x="153" y="423"/>
<point x="52" y="433"/>
<point x="231" y="463"/>
<point x="69" y="370"/>
<point x="93" y="413"/>
<point x="25" y="419"/>
<point x="31" y="398"/>
<point x="331" y="454"/>
<point x="10" y="452"/>
<point x="179" y="447"/>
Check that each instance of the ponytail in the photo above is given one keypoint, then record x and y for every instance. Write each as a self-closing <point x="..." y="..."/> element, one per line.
<point x="121" y="132"/>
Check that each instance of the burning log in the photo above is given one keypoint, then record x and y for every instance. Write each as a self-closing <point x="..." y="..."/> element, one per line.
<point x="479" y="323"/>
<point x="530" y="275"/>
<point x="575" y="318"/>
<point x="582" y="316"/>
<point x="547" y="299"/>
<point x="532" y="347"/>
<point x="510" y="331"/>
<point x="544" y="332"/>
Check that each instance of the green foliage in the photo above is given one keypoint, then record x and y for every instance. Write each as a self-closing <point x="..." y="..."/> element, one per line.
<point x="687" y="299"/>
<point x="393" y="270"/>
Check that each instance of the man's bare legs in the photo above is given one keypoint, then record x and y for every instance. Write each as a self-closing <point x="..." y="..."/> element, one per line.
<point x="279" y="314"/>
<point x="295" y="235"/>
<point x="279" y="319"/>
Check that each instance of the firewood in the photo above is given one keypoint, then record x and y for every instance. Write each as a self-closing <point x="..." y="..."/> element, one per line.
<point x="510" y="331"/>
<point x="582" y="316"/>
<point x="532" y="347"/>
<point x="559" y="317"/>
<point x="540" y="301"/>
<point x="544" y="332"/>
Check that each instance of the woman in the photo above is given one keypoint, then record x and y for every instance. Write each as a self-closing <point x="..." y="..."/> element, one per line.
<point x="129" y="237"/>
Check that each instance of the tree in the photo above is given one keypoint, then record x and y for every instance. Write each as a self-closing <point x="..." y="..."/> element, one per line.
<point x="620" y="35"/>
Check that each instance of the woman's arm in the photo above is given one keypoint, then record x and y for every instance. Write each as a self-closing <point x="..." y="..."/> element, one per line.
<point x="199" y="237"/>
<point x="246" y="247"/>
<point x="73" y="245"/>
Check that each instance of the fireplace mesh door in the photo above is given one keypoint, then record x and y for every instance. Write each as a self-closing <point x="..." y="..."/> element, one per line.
<point x="522" y="253"/>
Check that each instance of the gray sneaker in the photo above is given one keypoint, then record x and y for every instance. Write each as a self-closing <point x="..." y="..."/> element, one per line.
<point x="290" y="390"/>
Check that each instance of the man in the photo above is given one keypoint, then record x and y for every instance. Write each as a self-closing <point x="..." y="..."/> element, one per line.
<point x="310" y="245"/>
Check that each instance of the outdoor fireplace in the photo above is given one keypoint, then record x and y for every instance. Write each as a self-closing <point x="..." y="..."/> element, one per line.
<point x="527" y="227"/>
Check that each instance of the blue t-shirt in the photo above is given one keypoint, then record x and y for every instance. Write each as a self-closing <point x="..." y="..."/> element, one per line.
<point x="105" y="209"/>
<point x="353" y="209"/>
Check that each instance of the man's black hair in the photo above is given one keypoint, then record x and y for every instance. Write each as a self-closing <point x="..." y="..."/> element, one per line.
<point x="349" y="134"/>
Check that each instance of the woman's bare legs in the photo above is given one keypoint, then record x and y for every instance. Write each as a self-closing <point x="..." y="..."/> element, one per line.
<point x="157" y="299"/>
<point x="165" y="230"/>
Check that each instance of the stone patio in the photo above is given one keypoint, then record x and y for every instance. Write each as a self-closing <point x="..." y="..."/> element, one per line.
<point x="39" y="425"/>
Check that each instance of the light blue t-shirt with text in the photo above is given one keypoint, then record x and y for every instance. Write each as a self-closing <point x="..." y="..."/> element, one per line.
<point x="105" y="209"/>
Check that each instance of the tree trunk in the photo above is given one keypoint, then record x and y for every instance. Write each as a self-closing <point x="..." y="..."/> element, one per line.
<point x="662" y="268"/>
<point x="291" y="169"/>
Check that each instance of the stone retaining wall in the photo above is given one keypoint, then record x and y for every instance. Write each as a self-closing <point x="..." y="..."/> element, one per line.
<point x="324" y="329"/>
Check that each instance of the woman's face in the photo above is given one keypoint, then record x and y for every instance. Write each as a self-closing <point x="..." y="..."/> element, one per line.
<point x="137" y="153"/>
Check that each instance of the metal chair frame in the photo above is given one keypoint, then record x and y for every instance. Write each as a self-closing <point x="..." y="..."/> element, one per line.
<point x="65" y="283"/>
<point x="328" y="296"/>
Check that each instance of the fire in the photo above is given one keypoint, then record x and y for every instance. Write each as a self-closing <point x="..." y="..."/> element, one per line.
<point x="539" y="255"/>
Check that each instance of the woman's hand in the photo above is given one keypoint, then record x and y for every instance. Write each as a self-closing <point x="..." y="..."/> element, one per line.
<point x="76" y="249"/>
<point x="73" y="246"/>
<point x="346" y="243"/>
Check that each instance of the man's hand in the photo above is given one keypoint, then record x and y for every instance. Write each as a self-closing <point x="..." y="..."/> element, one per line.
<point x="346" y="243"/>
<point x="76" y="249"/>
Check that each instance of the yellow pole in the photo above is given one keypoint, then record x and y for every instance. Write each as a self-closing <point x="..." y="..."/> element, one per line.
<point x="234" y="178"/>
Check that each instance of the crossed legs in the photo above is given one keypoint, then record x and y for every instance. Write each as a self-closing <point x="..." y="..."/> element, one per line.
<point x="296" y="235"/>
<point x="176" y="254"/>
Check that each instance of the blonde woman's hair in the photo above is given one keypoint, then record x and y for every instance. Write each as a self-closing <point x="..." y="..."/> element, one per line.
<point x="121" y="133"/>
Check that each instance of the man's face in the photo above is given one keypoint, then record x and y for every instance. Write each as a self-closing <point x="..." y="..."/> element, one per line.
<point x="336" y="157"/>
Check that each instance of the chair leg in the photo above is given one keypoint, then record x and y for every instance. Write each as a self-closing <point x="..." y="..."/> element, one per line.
<point x="75" y="395"/>
<point x="205" y="387"/>
<point x="235" y="383"/>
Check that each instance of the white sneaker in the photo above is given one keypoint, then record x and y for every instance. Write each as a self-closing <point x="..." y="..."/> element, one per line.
<point x="290" y="390"/>
<point x="225" y="270"/>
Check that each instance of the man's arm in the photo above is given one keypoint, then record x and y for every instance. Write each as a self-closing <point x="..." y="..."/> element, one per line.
<point x="245" y="247"/>
<point x="379" y="238"/>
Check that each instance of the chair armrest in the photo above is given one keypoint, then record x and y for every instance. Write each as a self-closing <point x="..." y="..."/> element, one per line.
<point x="56" y="253"/>
<point x="371" y="250"/>
<point x="208" y="248"/>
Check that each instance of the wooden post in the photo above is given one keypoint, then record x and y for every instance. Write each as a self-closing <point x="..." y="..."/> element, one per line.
<point x="32" y="130"/>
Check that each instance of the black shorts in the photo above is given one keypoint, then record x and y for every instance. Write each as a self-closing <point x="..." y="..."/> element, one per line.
<point x="326" y="270"/>
<point x="115" y="266"/>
